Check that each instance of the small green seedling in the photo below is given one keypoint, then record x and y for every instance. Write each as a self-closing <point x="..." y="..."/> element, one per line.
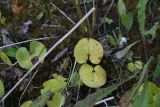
<point x="88" y="48"/>
<point x="52" y="87"/>
<point x="24" y="57"/>
<point x="137" y="65"/>
<point x="92" y="77"/>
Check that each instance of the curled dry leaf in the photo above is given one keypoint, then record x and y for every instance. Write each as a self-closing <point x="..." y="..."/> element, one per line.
<point x="88" y="48"/>
<point x="92" y="77"/>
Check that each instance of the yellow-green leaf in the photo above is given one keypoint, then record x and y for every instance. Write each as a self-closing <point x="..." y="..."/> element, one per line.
<point x="57" y="100"/>
<point x="24" y="58"/>
<point x="81" y="51"/>
<point x="26" y="103"/>
<point x="92" y="77"/>
<point x="5" y="58"/>
<point x="95" y="51"/>
<point x="54" y="85"/>
<point x="88" y="48"/>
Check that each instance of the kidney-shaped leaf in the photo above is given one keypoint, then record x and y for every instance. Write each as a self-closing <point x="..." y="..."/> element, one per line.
<point x="53" y="85"/>
<point x="37" y="49"/>
<point x="24" y="58"/>
<point x="92" y="77"/>
<point x="88" y="48"/>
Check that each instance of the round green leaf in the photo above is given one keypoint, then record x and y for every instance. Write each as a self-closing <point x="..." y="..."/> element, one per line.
<point x="37" y="49"/>
<point x="95" y="51"/>
<point x="1" y="89"/>
<point x="81" y="51"/>
<point x="88" y="48"/>
<point x="24" y="58"/>
<point x="26" y="103"/>
<point x="5" y="58"/>
<point x="11" y="52"/>
<point x="92" y="77"/>
<point x="131" y="67"/>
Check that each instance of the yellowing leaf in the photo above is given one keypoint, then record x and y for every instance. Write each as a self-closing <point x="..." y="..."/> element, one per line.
<point x="81" y="51"/>
<point x="23" y="57"/>
<point x="88" y="48"/>
<point x="26" y="104"/>
<point x="92" y="77"/>
<point x="95" y="51"/>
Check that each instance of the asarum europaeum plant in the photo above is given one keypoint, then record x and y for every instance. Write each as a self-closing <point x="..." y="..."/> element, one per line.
<point x="92" y="50"/>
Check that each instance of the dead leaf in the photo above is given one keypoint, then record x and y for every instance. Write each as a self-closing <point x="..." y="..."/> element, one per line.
<point x="17" y="7"/>
<point x="124" y="99"/>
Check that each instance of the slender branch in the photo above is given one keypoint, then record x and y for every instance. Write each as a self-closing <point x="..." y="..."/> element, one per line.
<point x="24" y="42"/>
<point x="64" y="14"/>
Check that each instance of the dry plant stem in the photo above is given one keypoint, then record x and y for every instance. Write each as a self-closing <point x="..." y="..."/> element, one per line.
<point x="24" y="42"/>
<point x="70" y="77"/>
<point x="48" y="52"/>
<point x="85" y="8"/>
<point x="145" y="69"/>
<point x="63" y="13"/>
